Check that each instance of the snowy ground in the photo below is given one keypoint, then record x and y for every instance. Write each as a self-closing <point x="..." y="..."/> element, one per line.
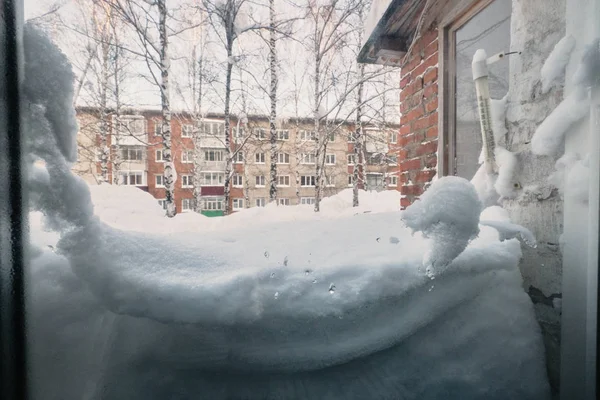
<point x="273" y="303"/>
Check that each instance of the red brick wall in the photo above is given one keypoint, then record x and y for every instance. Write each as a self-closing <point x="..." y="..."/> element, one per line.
<point x="417" y="140"/>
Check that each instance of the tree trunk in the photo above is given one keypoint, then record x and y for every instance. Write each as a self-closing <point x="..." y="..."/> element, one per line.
<point x="169" y="168"/>
<point x="358" y="136"/>
<point x="228" y="157"/>
<point x="105" y="155"/>
<point x="317" y="133"/>
<point x="199" y="120"/>
<point x="273" y="98"/>
<point x="116" y="165"/>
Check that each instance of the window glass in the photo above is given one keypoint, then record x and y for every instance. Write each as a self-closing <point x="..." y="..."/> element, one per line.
<point x="489" y="30"/>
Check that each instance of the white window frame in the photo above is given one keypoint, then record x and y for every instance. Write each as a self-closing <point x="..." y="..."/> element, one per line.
<point x="214" y="178"/>
<point x="260" y="133"/>
<point x="135" y="150"/>
<point x="283" y="178"/>
<point x="157" y="128"/>
<point x="212" y="203"/>
<point x="307" y="200"/>
<point x="162" y="203"/>
<point x="187" y="205"/>
<point x="238" y="158"/>
<point x="393" y="181"/>
<point x="350" y="158"/>
<point x="259" y="158"/>
<point x="285" y="156"/>
<point x="283" y="134"/>
<point x="125" y="182"/>
<point x="157" y="178"/>
<point x="237" y="203"/>
<point x="390" y="160"/>
<point x="260" y="178"/>
<point x="157" y="158"/>
<point x="260" y="202"/>
<point x="329" y="181"/>
<point x="218" y="155"/>
<point x="310" y="178"/>
<point x="283" y="201"/>
<point x="330" y="159"/>
<point x="350" y="182"/>
<point x="310" y="156"/>
<point x="187" y="130"/>
<point x="393" y="137"/>
<point x="234" y="180"/>
<point x="189" y="179"/>
<point x="187" y="156"/>
<point x="306" y="136"/>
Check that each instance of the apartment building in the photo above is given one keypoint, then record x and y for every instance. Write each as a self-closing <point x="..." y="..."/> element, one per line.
<point x="199" y="154"/>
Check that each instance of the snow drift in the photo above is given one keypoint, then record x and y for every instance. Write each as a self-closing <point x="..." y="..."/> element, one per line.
<point x="336" y="308"/>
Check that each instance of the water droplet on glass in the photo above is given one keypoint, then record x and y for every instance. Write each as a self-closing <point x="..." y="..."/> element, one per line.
<point x="314" y="281"/>
<point x="266" y="254"/>
<point x="276" y="295"/>
<point x="431" y="288"/>
<point x="378" y="239"/>
<point x="331" y="288"/>
<point x="308" y="271"/>
<point x="272" y="275"/>
<point x="285" y="261"/>
<point x="394" y="240"/>
<point x="430" y="273"/>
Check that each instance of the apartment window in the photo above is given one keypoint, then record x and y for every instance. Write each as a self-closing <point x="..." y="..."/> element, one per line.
<point x="212" y="203"/>
<point x="351" y="137"/>
<point x="329" y="180"/>
<point x="283" y="201"/>
<point x="307" y="180"/>
<point x="392" y="159"/>
<point x="186" y="181"/>
<point x="238" y="133"/>
<point x="283" y="158"/>
<point x="131" y="128"/>
<point x="260" y="133"/>
<point x="187" y="130"/>
<point x="485" y="26"/>
<point x="350" y="180"/>
<point x="238" y="204"/>
<point x="351" y="159"/>
<point x="132" y="178"/>
<point x="132" y="154"/>
<point x="260" y="202"/>
<point x="163" y="203"/>
<point x="213" y="155"/>
<point x="187" y="205"/>
<point x="331" y="137"/>
<point x="375" y="182"/>
<point x="159" y="156"/>
<point x="157" y="128"/>
<point x="212" y="128"/>
<point x="283" y="134"/>
<point x="283" y="180"/>
<point x="259" y="158"/>
<point x="159" y="180"/>
<point x="212" y="179"/>
<point x="308" y="158"/>
<point x="307" y="200"/>
<point x="308" y="135"/>
<point x="187" y="156"/>
<point x="237" y="180"/>
<point x="260" y="181"/>
<point x="392" y="181"/>
<point x="394" y="137"/>
<point x="238" y="157"/>
<point x="330" y="159"/>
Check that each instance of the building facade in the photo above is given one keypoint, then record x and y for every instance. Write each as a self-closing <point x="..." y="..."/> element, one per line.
<point x="134" y="157"/>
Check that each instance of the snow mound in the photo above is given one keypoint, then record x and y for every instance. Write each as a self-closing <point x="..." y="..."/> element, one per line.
<point x="320" y="308"/>
<point x="556" y="63"/>
<point x="448" y="213"/>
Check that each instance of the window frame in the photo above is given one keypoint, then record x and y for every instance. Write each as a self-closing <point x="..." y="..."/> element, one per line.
<point x="188" y="132"/>
<point x="214" y="174"/>
<point x="156" y="158"/>
<point x="283" y="201"/>
<point x="353" y="156"/>
<point x="453" y="21"/>
<point x="260" y="202"/>
<point x="283" y="177"/>
<point x="236" y="177"/>
<point x="158" y="177"/>
<point x="286" y="156"/>
<point x="329" y="155"/>
<point x="260" y="156"/>
<point x="189" y="179"/>
<point x="190" y="207"/>
<point x="235" y="203"/>
<point x="312" y="178"/>
<point x="262" y="178"/>
<point x="215" y="151"/>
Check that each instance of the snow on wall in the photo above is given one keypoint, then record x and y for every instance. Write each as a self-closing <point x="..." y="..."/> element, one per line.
<point x="553" y="69"/>
<point x="329" y="308"/>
